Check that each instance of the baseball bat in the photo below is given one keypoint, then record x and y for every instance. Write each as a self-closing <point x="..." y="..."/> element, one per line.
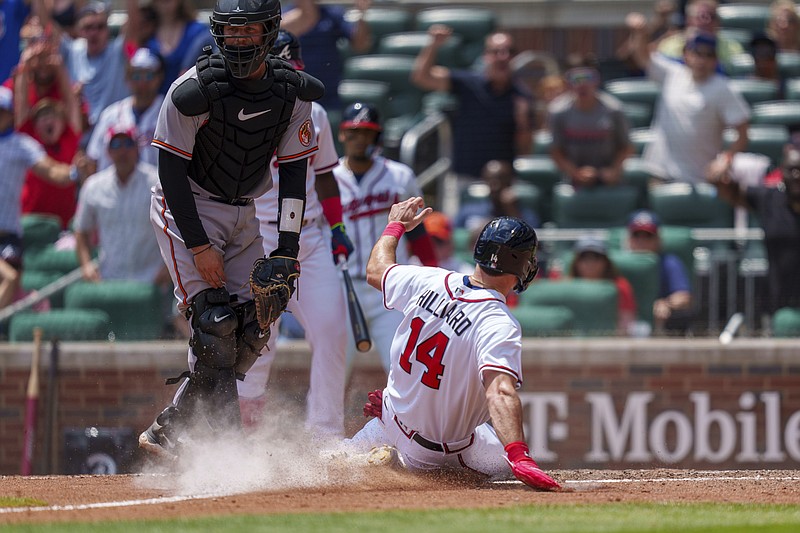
<point x="31" y="403"/>
<point x="357" y="320"/>
<point x="52" y="410"/>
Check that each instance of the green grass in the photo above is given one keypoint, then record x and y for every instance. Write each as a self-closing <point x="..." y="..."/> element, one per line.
<point x="614" y="517"/>
<point x="13" y="501"/>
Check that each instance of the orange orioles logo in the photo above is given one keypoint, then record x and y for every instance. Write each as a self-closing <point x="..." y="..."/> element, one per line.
<point x="304" y="134"/>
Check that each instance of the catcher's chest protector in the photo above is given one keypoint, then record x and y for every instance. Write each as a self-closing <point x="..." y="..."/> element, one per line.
<point x="246" y="120"/>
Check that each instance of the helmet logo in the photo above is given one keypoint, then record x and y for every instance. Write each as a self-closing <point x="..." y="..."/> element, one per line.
<point x="304" y="134"/>
<point x="238" y="10"/>
<point x="285" y="53"/>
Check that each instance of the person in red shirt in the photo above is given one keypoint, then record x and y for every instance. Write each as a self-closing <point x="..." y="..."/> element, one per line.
<point x="48" y="125"/>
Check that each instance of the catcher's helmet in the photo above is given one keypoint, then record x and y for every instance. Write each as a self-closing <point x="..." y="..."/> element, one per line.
<point x="287" y="47"/>
<point x="244" y="60"/>
<point x="507" y="245"/>
<point x="360" y="115"/>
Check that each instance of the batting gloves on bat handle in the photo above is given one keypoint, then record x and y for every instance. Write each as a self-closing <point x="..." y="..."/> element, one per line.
<point x="374" y="405"/>
<point x="525" y="468"/>
<point x="340" y="242"/>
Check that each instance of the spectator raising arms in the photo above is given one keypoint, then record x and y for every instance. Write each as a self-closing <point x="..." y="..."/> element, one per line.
<point x="320" y="28"/>
<point x="495" y="115"/>
<point x="695" y="107"/>
<point x="178" y="38"/>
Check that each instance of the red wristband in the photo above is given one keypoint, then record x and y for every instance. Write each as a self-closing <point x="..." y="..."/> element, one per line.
<point x="517" y="451"/>
<point x="394" y="229"/>
<point x="332" y="209"/>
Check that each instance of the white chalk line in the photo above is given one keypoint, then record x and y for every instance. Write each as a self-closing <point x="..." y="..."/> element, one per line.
<point x="177" y="499"/>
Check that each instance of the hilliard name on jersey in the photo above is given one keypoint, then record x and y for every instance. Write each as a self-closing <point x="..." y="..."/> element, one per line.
<point x="446" y="309"/>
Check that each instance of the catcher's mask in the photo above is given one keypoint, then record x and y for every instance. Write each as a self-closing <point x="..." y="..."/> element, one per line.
<point x="244" y="60"/>
<point x="507" y="245"/>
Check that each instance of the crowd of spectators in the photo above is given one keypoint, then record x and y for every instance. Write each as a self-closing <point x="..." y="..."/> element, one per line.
<point x="80" y="101"/>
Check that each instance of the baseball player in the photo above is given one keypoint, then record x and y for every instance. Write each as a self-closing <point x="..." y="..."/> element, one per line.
<point x="369" y="185"/>
<point x="219" y="126"/>
<point x="320" y="281"/>
<point x="456" y="357"/>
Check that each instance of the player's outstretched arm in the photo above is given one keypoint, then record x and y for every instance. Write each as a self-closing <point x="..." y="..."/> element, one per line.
<point x="403" y="216"/>
<point x="505" y="409"/>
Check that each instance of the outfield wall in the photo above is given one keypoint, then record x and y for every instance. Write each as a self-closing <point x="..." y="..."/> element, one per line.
<point x="599" y="403"/>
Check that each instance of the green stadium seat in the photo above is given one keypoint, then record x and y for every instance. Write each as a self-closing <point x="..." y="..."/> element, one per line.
<point x="751" y="17"/>
<point x="541" y="172"/>
<point x="395" y="70"/>
<point x="473" y="24"/>
<point x="639" y="115"/>
<point x="786" y="322"/>
<point x="793" y="89"/>
<point x="741" y="66"/>
<point x="691" y="205"/>
<point x="640" y="138"/>
<point x="676" y="240"/>
<point x="134" y="308"/>
<point x="365" y="91"/>
<point x="593" y="303"/>
<point x="542" y="140"/>
<point x="784" y="112"/>
<point x="528" y="194"/>
<point x="386" y="20"/>
<point x="642" y="271"/>
<point x="462" y="242"/>
<point x="34" y="280"/>
<point x="636" y="172"/>
<point x="596" y="207"/>
<point x="639" y="90"/>
<point x="61" y="324"/>
<point x="789" y="64"/>
<point x="755" y="91"/>
<point x="411" y="42"/>
<point x="49" y="259"/>
<point x="767" y="139"/>
<point x="544" y="320"/>
<point x="439" y="102"/>
<point x="39" y="230"/>
<point x="739" y="35"/>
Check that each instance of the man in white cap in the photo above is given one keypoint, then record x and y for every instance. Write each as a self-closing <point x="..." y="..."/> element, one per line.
<point x="139" y="111"/>
<point x="18" y="153"/>
<point x="116" y="203"/>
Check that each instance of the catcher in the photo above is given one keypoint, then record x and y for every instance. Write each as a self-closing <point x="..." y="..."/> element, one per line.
<point x="217" y="130"/>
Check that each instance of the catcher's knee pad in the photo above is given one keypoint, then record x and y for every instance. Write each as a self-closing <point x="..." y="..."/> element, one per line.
<point x="250" y="338"/>
<point x="214" y="324"/>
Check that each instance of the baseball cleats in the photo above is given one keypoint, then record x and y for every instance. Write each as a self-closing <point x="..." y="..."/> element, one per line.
<point x="154" y="440"/>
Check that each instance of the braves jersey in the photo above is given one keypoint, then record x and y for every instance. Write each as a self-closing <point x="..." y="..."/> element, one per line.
<point x="366" y="204"/>
<point x="451" y="333"/>
<point x="175" y="132"/>
<point x="324" y="160"/>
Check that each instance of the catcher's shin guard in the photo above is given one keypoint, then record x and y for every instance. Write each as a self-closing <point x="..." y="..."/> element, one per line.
<point x="250" y="338"/>
<point x="214" y="323"/>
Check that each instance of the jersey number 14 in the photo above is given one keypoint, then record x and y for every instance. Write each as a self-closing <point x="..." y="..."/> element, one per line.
<point x="428" y="353"/>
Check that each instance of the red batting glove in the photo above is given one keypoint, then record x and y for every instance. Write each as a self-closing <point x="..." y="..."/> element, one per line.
<point x="525" y="468"/>
<point x="374" y="407"/>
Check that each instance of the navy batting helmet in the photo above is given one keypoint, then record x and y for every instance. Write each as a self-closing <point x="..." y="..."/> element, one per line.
<point x="244" y="60"/>
<point x="287" y="47"/>
<point x="507" y="245"/>
<point x="360" y="115"/>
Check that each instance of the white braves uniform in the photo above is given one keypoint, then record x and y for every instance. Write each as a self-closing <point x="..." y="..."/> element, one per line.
<point x="319" y="304"/>
<point x="120" y="114"/>
<point x="365" y="205"/>
<point x="450" y="334"/>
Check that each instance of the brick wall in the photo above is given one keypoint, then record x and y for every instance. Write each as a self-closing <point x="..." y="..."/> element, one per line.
<point x="599" y="403"/>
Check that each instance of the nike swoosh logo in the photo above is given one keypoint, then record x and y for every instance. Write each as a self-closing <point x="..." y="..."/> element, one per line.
<point x="220" y="318"/>
<point x="261" y="334"/>
<point x="247" y="116"/>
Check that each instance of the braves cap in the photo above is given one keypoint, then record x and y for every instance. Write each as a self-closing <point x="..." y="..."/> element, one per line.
<point x="145" y="59"/>
<point x="92" y="8"/>
<point x="6" y="98"/>
<point x="589" y="243"/>
<point x="438" y="226"/>
<point x="120" y="129"/>
<point x="644" y="220"/>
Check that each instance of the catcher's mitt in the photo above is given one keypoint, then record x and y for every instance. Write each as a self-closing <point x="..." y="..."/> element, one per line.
<point x="272" y="284"/>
